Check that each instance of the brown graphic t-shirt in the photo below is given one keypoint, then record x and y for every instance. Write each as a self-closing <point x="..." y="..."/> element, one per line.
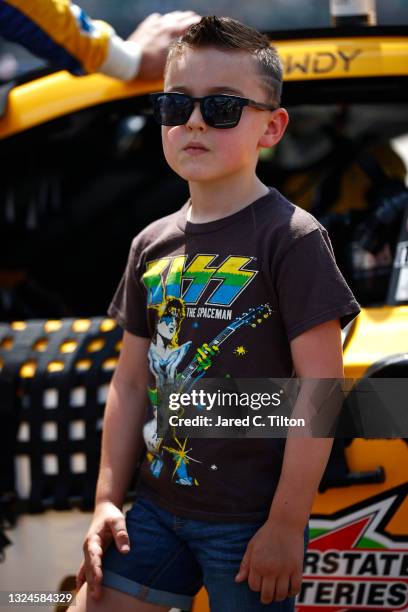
<point x="184" y="283"/>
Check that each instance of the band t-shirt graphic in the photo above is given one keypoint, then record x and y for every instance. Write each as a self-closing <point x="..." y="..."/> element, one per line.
<point x="186" y="285"/>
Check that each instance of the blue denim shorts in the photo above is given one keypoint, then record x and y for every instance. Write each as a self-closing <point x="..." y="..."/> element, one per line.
<point x="171" y="557"/>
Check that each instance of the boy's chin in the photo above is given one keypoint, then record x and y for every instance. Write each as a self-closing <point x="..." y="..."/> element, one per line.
<point x="200" y="176"/>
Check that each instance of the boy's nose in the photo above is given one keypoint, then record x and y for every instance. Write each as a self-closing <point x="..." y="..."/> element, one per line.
<point x="196" y="120"/>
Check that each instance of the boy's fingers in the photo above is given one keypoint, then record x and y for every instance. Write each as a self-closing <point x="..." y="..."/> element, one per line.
<point x="119" y="531"/>
<point x="282" y="587"/>
<point x="295" y="585"/>
<point x="80" y="577"/>
<point x="243" y="568"/>
<point x="94" y="583"/>
<point x="254" y="581"/>
<point x="95" y="588"/>
<point x="93" y="554"/>
<point x="268" y="590"/>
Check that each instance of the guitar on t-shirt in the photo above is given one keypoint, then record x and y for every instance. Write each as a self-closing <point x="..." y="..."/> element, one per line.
<point x="254" y="317"/>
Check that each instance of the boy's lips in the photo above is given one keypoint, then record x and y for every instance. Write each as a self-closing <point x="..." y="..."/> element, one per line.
<point x="195" y="148"/>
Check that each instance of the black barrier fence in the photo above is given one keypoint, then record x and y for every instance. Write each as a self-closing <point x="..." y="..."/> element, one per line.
<point x="54" y="380"/>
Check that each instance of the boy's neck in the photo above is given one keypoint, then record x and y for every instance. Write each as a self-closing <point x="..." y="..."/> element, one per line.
<point x="214" y="200"/>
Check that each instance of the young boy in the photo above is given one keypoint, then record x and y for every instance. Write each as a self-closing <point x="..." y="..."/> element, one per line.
<point x="231" y="514"/>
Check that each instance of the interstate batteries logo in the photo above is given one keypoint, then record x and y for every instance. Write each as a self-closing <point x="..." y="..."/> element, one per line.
<point x="352" y="564"/>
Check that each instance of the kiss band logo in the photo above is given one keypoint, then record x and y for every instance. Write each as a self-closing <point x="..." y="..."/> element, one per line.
<point x="352" y="564"/>
<point x="173" y="277"/>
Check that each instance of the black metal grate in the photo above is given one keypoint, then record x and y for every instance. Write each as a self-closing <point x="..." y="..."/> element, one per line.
<point x="55" y="376"/>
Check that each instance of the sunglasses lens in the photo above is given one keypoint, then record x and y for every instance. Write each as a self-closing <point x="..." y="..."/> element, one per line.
<point x="221" y="111"/>
<point x="172" y="109"/>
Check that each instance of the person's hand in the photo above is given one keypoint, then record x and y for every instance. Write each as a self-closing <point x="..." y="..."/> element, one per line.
<point x="155" y="34"/>
<point x="273" y="562"/>
<point x="108" y="523"/>
<point x="204" y="356"/>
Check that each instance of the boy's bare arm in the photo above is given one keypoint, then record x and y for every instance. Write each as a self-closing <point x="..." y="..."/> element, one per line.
<point x="274" y="557"/>
<point x="122" y="435"/>
<point x="316" y="354"/>
<point x="122" y="444"/>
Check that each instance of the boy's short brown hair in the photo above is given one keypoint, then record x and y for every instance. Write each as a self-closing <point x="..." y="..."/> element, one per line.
<point x="225" y="33"/>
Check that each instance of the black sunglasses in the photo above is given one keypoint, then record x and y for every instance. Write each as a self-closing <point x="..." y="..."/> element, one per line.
<point x="218" y="110"/>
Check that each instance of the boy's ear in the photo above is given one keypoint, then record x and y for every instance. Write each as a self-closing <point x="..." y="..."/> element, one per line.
<point x="276" y="128"/>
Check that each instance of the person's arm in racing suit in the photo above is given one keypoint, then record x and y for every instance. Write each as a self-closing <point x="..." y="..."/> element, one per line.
<point x="63" y="34"/>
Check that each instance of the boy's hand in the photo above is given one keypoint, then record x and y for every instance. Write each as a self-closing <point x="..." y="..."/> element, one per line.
<point x="273" y="562"/>
<point x="108" y="523"/>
